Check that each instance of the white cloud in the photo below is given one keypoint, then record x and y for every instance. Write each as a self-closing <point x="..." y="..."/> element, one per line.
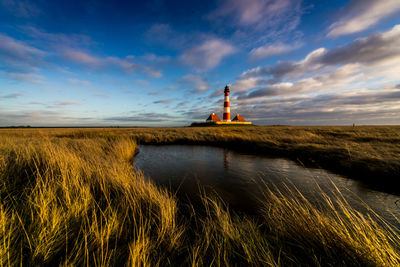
<point x="250" y="12"/>
<point x="361" y="106"/>
<point x="20" y="60"/>
<point x="376" y="50"/>
<point x="194" y="81"/>
<point x="25" y="77"/>
<point x="79" y="82"/>
<point x="246" y="84"/>
<point x="83" y="58"/>
<point x="271" y="50"/>
<point x="14" y="95"/>
<point x="207" y="55"/>
<point x="254" y="23"/>
<point x="66" y="103"/>
<point x="360" y="15"/>
<point x="357" y="82"/>
<point x="124" y="64"/>
<point x="163" y="101"/>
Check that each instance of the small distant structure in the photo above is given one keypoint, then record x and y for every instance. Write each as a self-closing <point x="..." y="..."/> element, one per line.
<point x="226" y="119"/>
<point x="213" y="118"/>
<point x="238" y="118"/>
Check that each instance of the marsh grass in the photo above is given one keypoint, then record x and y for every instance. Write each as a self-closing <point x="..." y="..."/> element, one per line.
<point x="72" y="198"/>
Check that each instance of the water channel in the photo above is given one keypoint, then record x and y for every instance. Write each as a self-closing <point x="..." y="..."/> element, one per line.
<point x="236" y="177"/>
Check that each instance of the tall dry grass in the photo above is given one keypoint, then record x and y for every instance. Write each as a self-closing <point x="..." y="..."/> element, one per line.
<point x="76" y="200"/>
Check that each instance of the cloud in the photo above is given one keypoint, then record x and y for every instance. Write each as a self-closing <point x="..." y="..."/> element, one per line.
<point x="43" y="118"/>
<point x="12" y="49"/>
<point x="367" y="106"/>
<point x="20" y="60"/>
<point x="357" y="82"/>
<point x="255" y="23"/>
<point x="335" y="79"/>
<point x="143" y="83"/>
<point x="151" y="117"/>
<point x="196" y="82"/>
<point x="124" y="64"/>
<point x="79" y="82"/>
<point x="15" y="95"/>
<point x="21" y="8"/>
<point x="360" y="15"/>
<point x="66" y="103"/>
<point x="207" y="55"/>
<point x="372" y="105"/>
<point x="163" y="33"/>
<point x="246" y="84"/>
<point x="57" y="40"/>
<point x="102" y="95"/>
<point x="156" y="59"/>
<point x="376" y="49"/>
<point x="271" y="50"/>
<point x="251" y="12"/>
<point x="83" y="58"/>
<point x="25" y="77"/>
<point x="373" y="49"/>
<point x="163" y="101"/>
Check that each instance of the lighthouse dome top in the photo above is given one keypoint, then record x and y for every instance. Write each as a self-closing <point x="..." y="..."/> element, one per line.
<point x="226" y="89"/>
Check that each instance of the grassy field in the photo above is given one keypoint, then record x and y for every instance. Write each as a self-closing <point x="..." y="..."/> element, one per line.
<point x="71" y="197"/>
<point x="367" y="153"/>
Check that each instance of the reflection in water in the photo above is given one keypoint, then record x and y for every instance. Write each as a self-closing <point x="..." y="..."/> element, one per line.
<point x="236" y="177"/>
<point x="226" y="158"/>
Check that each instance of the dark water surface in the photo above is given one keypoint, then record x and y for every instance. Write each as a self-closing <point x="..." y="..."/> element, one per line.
<point x="236" y="177"/>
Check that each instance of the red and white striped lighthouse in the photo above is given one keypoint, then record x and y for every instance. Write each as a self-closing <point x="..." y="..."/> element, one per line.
<point x="227" y="109"/>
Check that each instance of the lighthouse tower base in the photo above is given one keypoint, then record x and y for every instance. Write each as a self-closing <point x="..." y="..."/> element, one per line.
<point x="233" y="122"/>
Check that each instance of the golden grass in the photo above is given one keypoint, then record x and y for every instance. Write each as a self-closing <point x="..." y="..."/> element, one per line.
<point x="71" y="197"/>
<point x="361" y="152"/>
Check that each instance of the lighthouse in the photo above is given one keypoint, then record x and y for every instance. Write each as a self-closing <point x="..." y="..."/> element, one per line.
<point x="226" y="119"/>
<point x="227" y="109"/>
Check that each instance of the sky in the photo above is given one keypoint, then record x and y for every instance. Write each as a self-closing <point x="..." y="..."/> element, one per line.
<point x="165" y="63"/>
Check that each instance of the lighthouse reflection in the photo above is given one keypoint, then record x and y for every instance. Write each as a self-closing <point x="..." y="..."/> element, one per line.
<point x="226" y="158"/>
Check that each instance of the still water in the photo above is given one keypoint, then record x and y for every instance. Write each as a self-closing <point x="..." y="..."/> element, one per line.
<point x="237" y="177"/>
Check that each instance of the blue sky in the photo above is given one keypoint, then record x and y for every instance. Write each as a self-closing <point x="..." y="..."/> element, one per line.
<point x="165" y="63"/>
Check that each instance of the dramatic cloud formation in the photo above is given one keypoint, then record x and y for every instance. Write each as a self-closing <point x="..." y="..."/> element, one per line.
<point x="362" y="14"/>
<point x="166" y="63"/>
<point x="328" y="83"/>
<point x="207" y="55"/>
<point x="376" y="49"/>
<point x="362" y="106"/>
<point x="257" y="23"/>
